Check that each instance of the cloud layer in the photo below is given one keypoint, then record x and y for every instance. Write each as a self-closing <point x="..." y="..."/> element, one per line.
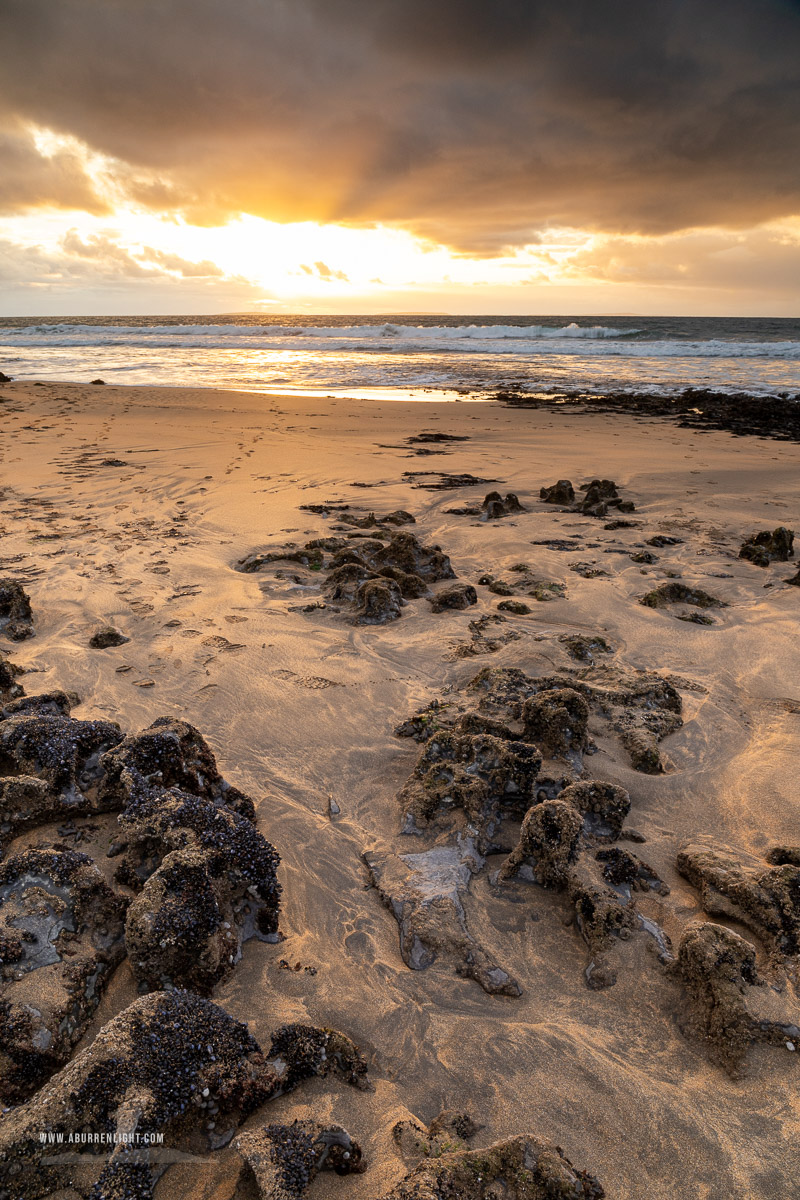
<point x="474" y="123"/>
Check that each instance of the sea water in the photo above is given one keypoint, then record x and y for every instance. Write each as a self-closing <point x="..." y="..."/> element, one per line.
<point x="419" y="356"/>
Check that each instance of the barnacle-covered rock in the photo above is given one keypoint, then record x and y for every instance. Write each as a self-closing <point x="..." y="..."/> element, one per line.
<point x="548" y="844"/>
<point x="767" y="547"/>
<point x="379" y="601"/>
<point x="556" y="720"/>
<point x="281" y="1161"/>
<point x="604" y="806"/>
<point x="718" y="970"/>
<point x="425" y="892"/>
<point x="522" y="1168"/>
<point x="173" y="1065"/>
<point x="241" y="864"/>
<point x="740" y="887"/>
<point x="61" y="936"/>
<point x="640" y="707"/>
<point x="458" y="595"/>
<point x="16" y="615"/>
<point x="486" y="776"/>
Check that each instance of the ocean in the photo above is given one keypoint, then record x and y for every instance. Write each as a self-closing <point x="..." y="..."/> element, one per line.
<point x="417" y="356"/>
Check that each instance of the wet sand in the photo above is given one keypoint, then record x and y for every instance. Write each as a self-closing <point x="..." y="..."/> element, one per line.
<point x="133" y="505"/>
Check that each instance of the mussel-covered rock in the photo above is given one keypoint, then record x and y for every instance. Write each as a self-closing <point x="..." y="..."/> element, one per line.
<point x="281" y="1161"/>
<point x="171" y="1066"/>
<point x="237" y="857"/>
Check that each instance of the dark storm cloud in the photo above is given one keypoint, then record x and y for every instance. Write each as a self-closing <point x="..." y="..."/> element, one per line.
<point x="475" y="123"/>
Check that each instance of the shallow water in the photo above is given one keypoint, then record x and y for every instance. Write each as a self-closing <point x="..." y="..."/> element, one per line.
<point x="411" y="357"/>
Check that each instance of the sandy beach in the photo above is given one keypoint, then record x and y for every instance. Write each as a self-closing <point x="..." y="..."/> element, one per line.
<point x="136" y="506"/>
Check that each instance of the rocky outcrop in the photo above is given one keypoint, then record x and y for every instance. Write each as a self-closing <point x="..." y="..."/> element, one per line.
<point x="767" y="547"/>
<point x="426" y="892"/>
<point x="16" y="615"/>
<point x="61" y="936"/>
<point x="735" y="885"/>
<point x="458" y="596"/>
<point x="484" y="775"/>
<point x="105" y="636"/>
<point x="718" y="970"/>
<point x="281" y="1161"/>
<point x="522" y="1168"/>
<point x="170" y="1064"/>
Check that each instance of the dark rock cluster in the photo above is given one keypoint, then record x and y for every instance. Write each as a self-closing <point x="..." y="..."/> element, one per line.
<point x="16" y="615"/>
<point x="373" y="576"/>
<point x="61" y="936"/>
<point x="767" y="547"/>
<point x="599" y="496"/>
<point x="718" y="970"/>
<point x="279" y="1162"/>
<point x="171" y="1064"/>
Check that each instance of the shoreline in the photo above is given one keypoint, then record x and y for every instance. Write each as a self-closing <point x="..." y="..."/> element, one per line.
<point x="133" y="505"/>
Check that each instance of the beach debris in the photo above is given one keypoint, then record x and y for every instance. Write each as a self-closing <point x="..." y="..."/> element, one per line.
<point x="767" y="547"/>
<point x="16" y="615"/>
<point x="439" y="481"/>
<point x="171" y="1064"/>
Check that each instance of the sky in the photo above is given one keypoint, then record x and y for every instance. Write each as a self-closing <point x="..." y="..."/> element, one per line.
<point x="459" y="156"/>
